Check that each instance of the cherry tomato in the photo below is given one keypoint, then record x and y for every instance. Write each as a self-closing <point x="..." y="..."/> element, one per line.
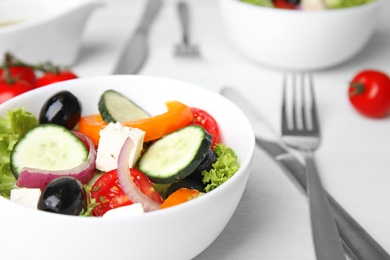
<point x="369" y="93"/>
<point x="24" y="73"/>
<point x="108" y="193"/>
<point x="205" y="120"/>
<point x="283" y="4"/>
<point x="51" y="77"/>
<point x="10" y="90"/>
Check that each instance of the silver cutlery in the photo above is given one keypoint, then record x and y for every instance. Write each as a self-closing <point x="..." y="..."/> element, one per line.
<point x="134" y="54"/>
<point x="358" y="244"/>
<point x="185" y="48"/>
<point x="300" y="130"/>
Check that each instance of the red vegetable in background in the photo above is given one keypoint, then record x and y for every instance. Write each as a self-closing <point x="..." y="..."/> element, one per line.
<point x="22" y="73"/>
<point x="283" y="4"/>
<point x="12" y="88"/>
<point x="54" y="76"/>
<point x="369" y="93"/>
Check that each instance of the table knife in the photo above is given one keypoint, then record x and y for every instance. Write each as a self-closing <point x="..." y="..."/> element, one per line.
<point x="134" y="54"/>
<point x="357" y="243"/>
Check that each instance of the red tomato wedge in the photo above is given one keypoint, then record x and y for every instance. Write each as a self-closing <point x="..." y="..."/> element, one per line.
<point x="205" y="120"/>
<point x="109" y="195"/>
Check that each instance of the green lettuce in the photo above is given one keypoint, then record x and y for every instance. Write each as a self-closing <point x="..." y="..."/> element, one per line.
<point x="333" y="4"/>
<point x="12" y="127"/>
<point x="224" y="168"/>
<point x="266" y="3"/>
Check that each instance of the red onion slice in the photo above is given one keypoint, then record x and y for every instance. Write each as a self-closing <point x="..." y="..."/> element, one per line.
<point x="39" y="178"/>
<point x="127" y="184"/>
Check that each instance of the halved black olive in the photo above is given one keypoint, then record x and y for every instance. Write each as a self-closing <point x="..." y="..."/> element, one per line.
<point x="63" y="108"/>
<point x="63" y="195"/>
<point x="205" y="165"/>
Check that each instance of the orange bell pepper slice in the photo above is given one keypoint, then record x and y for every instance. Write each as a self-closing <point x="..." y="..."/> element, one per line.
<point x="180" y="196"/>
<point x="177" y="116"/>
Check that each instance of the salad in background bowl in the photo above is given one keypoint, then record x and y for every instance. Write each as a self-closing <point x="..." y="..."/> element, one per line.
<point x="299" y="40"/>
<point x="176" y="231"/>
<point x="308" y="4"/>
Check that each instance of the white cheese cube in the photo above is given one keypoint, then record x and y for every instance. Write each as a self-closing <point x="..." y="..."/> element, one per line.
<point x="26" y="197"/>
<point x="112" y="138"/>
<point x="133" y="209"/>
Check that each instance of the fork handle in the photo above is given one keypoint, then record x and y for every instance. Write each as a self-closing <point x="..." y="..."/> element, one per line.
<point x="184" y="16"/>
<point x="326" y="238"/>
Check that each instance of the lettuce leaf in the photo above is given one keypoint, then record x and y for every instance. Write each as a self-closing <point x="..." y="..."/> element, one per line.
<point x="344" y="3"/>
<point x="266" y="3"/>
<point x="224" y="168"/>
<point x="12" y="127"/>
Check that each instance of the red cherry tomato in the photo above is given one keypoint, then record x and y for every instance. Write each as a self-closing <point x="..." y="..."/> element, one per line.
<point x="24" y="73"/>
<point x="283" y="4"/>
<point x="369" y="93"/>
<point x="109" y="195"/>
<point x="10" y="90"/>
<point x="205" y="120"/>
<point x="51" y="77"/>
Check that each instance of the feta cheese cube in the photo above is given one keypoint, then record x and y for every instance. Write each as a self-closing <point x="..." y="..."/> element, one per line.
<point x="133" y="209"/>
<point x="26" y="197"/>
<point x="112" y="138"/>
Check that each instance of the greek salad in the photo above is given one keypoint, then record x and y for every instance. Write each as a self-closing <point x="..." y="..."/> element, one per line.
<point x="308" y="4"/>
<point x="122" y="160"/>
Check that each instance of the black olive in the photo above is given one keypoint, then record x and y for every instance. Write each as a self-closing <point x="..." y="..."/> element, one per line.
<point x="63" y="195"/>
<point x="62" y="108"/>
<point x="186" y="183"/>
<point x="294" y="2"/>
<point x="205" y="165"/>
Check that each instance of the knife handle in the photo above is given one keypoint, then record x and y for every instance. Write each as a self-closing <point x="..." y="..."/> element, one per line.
<point x="150" y="12"/>
<point x="357" y="243"/>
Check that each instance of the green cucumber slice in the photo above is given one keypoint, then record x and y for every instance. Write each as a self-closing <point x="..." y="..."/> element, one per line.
<point x="115" y="107"/>
<point x="48" y="147"/>
<point x="175" y="156"/>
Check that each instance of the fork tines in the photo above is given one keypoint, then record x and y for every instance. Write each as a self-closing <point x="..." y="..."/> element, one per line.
<point x="298" y="108"/>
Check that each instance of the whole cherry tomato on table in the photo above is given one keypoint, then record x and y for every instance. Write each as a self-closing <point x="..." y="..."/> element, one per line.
<point x="205" y="120"/>
<point x="109" y="195"/>
<point x="369" y="93"/>
<point x="24" y="73"/>
<point x="12" y="89"/>
<point x="54" y="76"/>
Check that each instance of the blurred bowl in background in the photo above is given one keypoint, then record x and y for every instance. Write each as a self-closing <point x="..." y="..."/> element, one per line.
<point x="42" y="30"/>
<point x="297" y="39"/>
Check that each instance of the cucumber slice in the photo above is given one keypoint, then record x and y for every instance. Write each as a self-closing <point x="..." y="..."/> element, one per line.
<point x="175" y="156"/>
<point x="115" y="107"/>
<point x="48" y="147"/>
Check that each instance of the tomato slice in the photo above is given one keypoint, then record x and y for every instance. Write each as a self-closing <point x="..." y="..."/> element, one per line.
<point x="109" y="195"/>
<point x="205" y="120"/>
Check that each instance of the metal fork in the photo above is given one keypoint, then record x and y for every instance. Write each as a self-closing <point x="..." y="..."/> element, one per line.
<point x="185" y="48"/>
<point x="300" y="130"/>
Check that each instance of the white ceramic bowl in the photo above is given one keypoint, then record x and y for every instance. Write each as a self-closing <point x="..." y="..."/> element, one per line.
<point x="44" y="30"/>
<point x="179" y="232"/>
<point x="299" y="40"/>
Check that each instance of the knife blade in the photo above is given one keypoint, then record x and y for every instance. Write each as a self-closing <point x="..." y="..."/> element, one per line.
<point x="136" y="50"/>
<point x="358" y="244"/>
